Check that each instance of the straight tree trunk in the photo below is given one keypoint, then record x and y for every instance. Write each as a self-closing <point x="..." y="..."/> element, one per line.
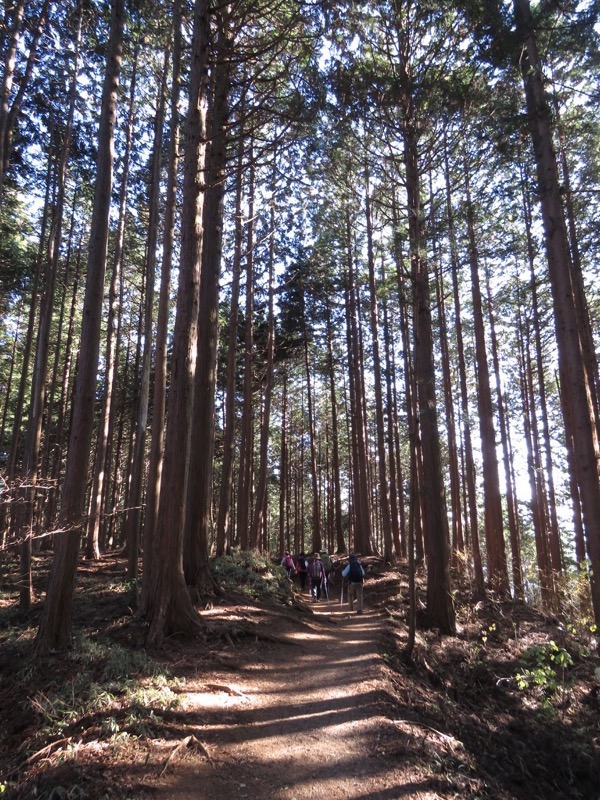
<point x="114" y="310"/>
<point x="440" y="609"/>
<point x="170" y="609"/>
<point x="134" y="516"/>
<point x="338" y="531"/>
<point x="226" y="489"/>
<point x="260" y="505"/>
<point x="576" y="386"/>
<point x="246" y="440"/>
<point x="31" y="455"/>
<point x="389" y="554"/>
<point x="162" y="323"/>
<point x="199" y="499"/>
<point x="493" y="523"/>
<point x="469" y="460"/>
<point x="55" y="626"/>
<point x="511" y="497"/>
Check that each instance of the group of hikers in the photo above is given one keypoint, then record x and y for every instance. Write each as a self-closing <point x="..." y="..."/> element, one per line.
<point x="318" y="571"/>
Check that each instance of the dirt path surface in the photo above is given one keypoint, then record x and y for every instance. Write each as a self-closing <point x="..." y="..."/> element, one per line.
<point x="309" y="719"/>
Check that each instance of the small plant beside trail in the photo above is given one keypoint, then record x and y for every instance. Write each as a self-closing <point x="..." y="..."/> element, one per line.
<point x="545" y="671"/>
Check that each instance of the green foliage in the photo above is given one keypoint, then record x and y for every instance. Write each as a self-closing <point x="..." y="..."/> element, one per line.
<point x="252" y="574"/>
<point x="545" y="668"/>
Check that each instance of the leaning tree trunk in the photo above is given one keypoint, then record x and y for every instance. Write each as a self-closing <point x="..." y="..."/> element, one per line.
<point x="55" y="626"/>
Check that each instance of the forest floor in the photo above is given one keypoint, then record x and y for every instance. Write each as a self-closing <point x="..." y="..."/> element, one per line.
<point x="287" y="700"/>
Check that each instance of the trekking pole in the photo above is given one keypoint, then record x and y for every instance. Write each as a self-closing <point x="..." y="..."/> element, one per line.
<point x="342" y="595"/>
<point x="326" y="589"/>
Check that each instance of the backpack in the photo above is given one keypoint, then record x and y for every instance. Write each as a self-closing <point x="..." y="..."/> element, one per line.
<point x="326" y="562"/>
<point x="355" y="575"/>
<point x="302" y="564"/>
<point x="289" y="562"/>
<point x="315" y="569"/>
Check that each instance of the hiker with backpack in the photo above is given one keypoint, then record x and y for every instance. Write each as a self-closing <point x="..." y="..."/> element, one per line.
<point x="354" y="575"/>
<point x="328" y="567"/>
<point x="302" y="569"/>
<point x="287" y="562"/>
<point x="316" y="577"/>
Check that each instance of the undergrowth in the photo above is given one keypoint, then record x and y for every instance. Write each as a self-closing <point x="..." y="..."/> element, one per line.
<point x="252" y="574"/>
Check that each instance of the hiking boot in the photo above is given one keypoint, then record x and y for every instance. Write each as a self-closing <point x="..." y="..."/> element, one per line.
<point x="359" y="611"/>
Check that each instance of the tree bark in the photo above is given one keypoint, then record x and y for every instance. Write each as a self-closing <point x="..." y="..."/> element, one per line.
<point x="170" y="609"/>
<point x="55" y="626"/>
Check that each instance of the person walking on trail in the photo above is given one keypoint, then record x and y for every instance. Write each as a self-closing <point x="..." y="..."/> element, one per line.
<point x="316" y="577"/>
<point x="354" y="574"/>
<point x="287" y="562"/>
<point x="302" y="569"/>
<point x="327" y="566"/>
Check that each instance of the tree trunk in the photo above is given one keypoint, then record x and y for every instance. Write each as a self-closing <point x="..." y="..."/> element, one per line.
<point x="338" y="529"/>
<point x="134" y="515"/>
<point x="226" y="489"/>
<point x="389" y="554"/>
<point x="55" y="626"/>
<point x="246" y="441"/>
<point x="162" y="323"/>
<point x="494" y="526"/>
<point x="469" y="460"/>
<point x="576" y="388"/>
<point x="440" y="609"/>
<point x="170" y="609"/>
<point x="260" y="504"/>
<point x="199" y="499"/>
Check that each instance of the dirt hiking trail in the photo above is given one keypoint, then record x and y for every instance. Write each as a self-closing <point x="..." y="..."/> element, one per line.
<point x="307" y="719"/>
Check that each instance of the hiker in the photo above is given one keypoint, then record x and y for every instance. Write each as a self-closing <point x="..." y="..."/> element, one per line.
<point x="328" y="567"/>
<point x="287" y="562"/>
<point x="354" y="574"/>
<point x="316" y="577"/>
<point x="302" y="569"/>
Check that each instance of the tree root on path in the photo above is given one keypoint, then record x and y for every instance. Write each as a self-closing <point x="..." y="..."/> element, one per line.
<point x="236" y="630"/>
<point x="189" y="741"/>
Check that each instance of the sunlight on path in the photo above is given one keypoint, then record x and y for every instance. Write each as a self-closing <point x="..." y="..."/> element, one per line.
<point x="306" y="721"/>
